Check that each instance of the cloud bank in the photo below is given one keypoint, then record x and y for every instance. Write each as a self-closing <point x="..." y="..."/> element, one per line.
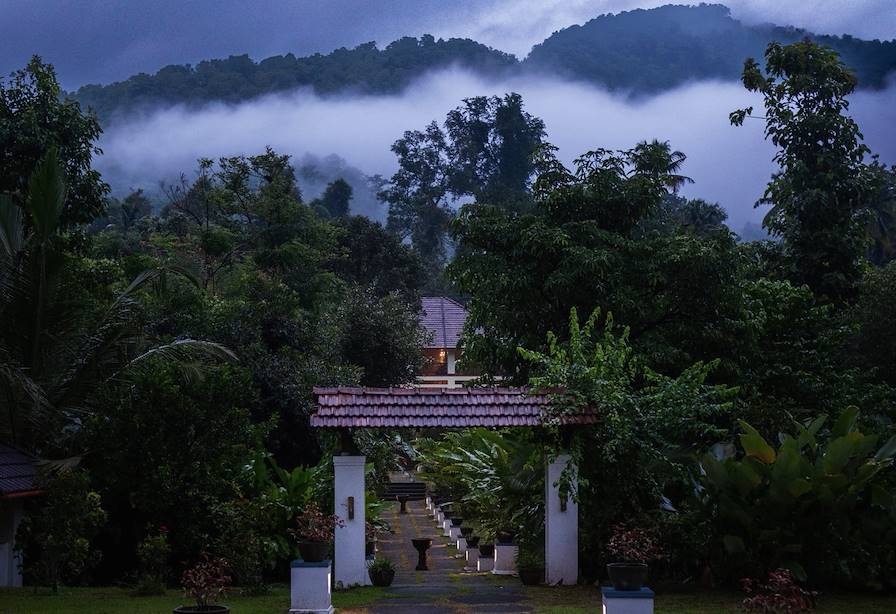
<point x="729" y="165"/>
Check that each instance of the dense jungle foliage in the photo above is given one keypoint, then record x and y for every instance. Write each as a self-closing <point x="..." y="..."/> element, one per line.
<point x="642" y="51"/>
<point x="163" y="354"/>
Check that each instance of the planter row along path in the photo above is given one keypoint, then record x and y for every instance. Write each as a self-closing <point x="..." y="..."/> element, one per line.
<point x="445" y="588"/>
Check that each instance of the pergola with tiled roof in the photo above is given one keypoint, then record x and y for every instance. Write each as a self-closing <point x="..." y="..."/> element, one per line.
<point x="348" y="407"/>
<point x="345" y="408"/>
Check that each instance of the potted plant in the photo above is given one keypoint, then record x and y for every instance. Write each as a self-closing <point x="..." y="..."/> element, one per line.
<point x="632" y="548"/>
<point x="314" y="533"/>
<point x="381" y="571"/>
<point x="530" y="567"/>
<point x="205" y="582"/>
<point x="505" y="536"/>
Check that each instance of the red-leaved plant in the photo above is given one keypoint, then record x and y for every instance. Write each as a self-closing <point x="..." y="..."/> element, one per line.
<point x="633" y="545"/>
<point x="312" y="525"/>
<point x="779" y="595"/>
<point x="206" y="581"/>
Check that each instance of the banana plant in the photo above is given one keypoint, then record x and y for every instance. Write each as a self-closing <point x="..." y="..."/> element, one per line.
<point x="807" y="502"/>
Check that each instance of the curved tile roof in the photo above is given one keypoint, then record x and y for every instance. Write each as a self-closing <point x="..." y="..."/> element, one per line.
<point x="17" y="471"/>
<point x="434" y="407"/>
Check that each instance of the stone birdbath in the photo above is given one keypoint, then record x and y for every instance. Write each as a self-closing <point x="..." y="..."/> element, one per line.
<point x="422" y="544"/>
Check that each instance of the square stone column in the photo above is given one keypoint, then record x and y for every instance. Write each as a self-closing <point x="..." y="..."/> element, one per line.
<point x="627" y="602"/>
<point x="505" y="560"/>
<point x="309" y="589"/>
<point x="472" y="559"/>
<point x="561" y="528"/>
<point x="350" y="564"/>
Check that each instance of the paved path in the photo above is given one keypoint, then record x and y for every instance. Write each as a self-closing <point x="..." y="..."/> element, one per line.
<point x="446" y="588"/>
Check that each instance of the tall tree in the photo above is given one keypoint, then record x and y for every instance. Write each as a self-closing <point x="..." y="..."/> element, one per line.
<point x="820" y="194"/>
<point x="35" y="117"/>
<point x="334" y="202"/>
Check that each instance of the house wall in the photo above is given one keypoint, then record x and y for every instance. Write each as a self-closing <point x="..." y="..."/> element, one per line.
<point x="10" y="516"/>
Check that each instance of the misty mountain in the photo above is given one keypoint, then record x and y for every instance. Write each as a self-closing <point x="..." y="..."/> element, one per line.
<point x="642" y="51"/>
<point x="658" y="49"/>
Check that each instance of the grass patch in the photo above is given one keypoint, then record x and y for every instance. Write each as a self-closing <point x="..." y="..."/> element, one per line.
<point x="111" y="600"/>
<point x="582" y="599"/>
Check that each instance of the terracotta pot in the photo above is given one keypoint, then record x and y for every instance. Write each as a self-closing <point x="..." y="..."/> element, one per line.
<point x="314" y="552"/>
<point x="456" y="520"/>
<point x="472" y="542"/>
<point x="505" y="537"/>
<point x="466" y="531"/>
<point x="487" y="550"/>
<point x="627" y="576"/>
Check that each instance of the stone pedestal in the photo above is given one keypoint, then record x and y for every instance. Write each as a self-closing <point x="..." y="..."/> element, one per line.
<point x="561" y="528"/>
<point x="446" y="528"/>
<point x="350" y="564"/>
<point x="428" y="504"/>
<point x="472" y="556"/>
<point x="627" y="602"/>
<point x="461" y="545"/>
<point x="505" y="559"/>
<point x="309" y="589"/>
<point x="453" y="532"/>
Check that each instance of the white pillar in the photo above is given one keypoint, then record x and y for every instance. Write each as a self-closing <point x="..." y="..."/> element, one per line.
<point x="627" y="602"/>
<point x="461" y="544"/>
<point x="505" y="560"/>
<point x="561" y="528"/>
<point x="453" y="533"/>
<point x="446" y="528"/>
<point x="350" y="564"/>
<point x="309" y="589"/>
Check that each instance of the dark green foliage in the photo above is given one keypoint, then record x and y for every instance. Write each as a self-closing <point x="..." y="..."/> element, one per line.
<point x="820" y="194"/>
<point x="56" y="535"/>
<point x="34" y="119"/>
<point x="646" y="51"/>
<point x="874" y="340"/>
<point x="819" y="505"/>
<point x="363" y="69"/>
<point x="335" y="200"/>
<point x="187" y="441"/>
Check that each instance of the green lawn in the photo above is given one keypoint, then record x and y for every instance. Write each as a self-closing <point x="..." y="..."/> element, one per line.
<point x="576" y="600"/>
<point x="118" y="601"/>
<point x="582" y="599"/>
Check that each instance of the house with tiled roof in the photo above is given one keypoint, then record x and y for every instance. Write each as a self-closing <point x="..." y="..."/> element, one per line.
<point x="444" y="318"/>
<point x="17" y="474"/>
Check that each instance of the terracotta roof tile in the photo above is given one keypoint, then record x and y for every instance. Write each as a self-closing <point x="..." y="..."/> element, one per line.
<point x="434" y="407"/>
<point x="17" y="471"/>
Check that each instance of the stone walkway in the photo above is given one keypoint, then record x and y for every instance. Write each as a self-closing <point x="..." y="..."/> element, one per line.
<point x="446" y="588"/>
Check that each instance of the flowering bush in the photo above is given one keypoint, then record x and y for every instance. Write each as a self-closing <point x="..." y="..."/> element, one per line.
<point x="206" y="581"/>
<point x="780" y="595"/>
<point x="312" y="525"/>
<point x="634" y="545"/>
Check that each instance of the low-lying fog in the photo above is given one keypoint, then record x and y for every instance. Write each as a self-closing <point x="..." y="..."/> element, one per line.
<point x="729" y="165"/>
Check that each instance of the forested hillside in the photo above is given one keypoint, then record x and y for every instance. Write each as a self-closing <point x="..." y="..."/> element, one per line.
<point x="642" y="51"/>
<point x="656" y="49"/>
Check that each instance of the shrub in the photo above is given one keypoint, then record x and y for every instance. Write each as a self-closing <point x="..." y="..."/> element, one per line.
<point x="314" y="526"/>
<point x="633" y="545"/>
<point x="55" y="538"/>
<point x="152" y="557"/>
<point x="206" y="581"/>
<point x="779" y="595"/>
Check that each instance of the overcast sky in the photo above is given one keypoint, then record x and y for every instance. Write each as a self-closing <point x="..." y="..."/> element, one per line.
<point x="97" y="41"/>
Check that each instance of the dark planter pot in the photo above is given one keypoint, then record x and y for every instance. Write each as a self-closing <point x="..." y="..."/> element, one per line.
<point x="456" y="520"/>
<point x="487" y="550"/>
<point x="314" y="552"/>
<point x="627" y="576"/>
<point x="531" y="576"/>
<point x="369" y="548"/>
<point x="505" y="537"/>
<point x="192" y="609"/>
<point x="473" y="542"/>
<point x="466" y="531"/>
<point x="381" y="577"/>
